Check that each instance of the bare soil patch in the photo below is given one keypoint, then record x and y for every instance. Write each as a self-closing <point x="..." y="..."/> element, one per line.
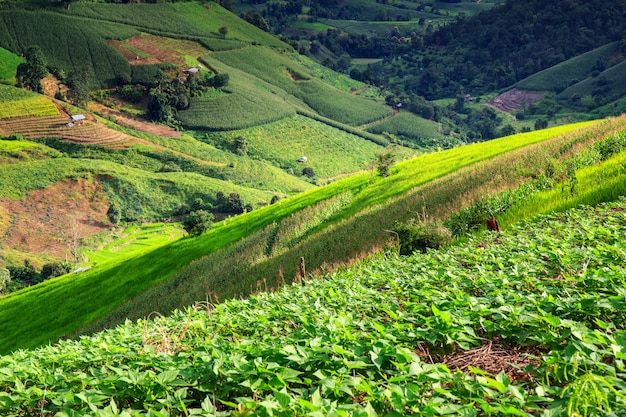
<point x="515" y="99"/>
<point x="45" y="223"/>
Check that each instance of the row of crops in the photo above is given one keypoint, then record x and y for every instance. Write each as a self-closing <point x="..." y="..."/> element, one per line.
<point x="423" y="335"/>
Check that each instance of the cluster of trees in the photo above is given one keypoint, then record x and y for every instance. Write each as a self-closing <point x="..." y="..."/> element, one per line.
<point x="231" y="203"/>
<point x="35" y="68"/>
<point x="13" y="278"/>
<point x="508" y="43"/>
<point x="169" y="96"/>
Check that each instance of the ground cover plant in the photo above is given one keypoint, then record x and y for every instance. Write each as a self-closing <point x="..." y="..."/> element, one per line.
<point x="101" y="289"/>
<point x="527" y="322"/>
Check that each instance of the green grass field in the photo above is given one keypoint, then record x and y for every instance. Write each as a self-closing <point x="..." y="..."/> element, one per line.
<point x="8" y="65"/>
<point x="609" y="85"/>
<point x="101" y="290"/>
<point x="211" y="18"/>
<point x="134" y="239"/>
<point x="408" y="126"/>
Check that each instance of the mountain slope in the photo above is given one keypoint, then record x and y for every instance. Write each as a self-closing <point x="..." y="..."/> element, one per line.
<point x="488" y="327"/>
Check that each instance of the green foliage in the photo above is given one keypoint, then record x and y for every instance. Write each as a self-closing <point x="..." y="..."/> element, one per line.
<point x="18" y="102"/>
<point x="55" y="269"/>
<point x="420" y="235"/>
<point x="77" y="42"/>
<point x="384" y="162"/>
<point x="310" y="349"/>
<point x="30" y="73"/>
<point x="114" y="214"/>
<point x="80" y="80"/>
<point x="197" y="222"/>
<point x="8" y="65"/>
<point x="5" y="278"/>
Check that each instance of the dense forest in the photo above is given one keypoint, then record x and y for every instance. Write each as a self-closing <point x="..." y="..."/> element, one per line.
<point x="495" y="49"/>
<point x="477" y="54"/>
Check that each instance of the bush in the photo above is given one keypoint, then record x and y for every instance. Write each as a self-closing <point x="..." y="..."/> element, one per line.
<point x="55" y="269"/>
<point x="114" y="214"/>
<point x="198" y="222"/>
<point x="5" y="278"/>
<point x="418" y="235"/>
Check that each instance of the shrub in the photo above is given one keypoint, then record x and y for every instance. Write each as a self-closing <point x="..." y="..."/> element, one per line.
<point x="54" y="269"/>
<point x="384" y="161"/>
<point x="419" y="235"/>
<point x="198" y="222"/>
<point x="308" y="172"/>
<point x="5" y="278"/>
<point x="114" y="214"/>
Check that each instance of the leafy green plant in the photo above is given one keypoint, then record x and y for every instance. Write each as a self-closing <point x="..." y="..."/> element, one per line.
<point x="198" y="222"/>
<point x="420" y="235"/>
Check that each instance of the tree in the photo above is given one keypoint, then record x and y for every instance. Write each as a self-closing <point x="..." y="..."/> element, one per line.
<point x="79" y="81"/>
<point x="5" y="278"/>
<point x="54" y="269"/>
<point x="223" y="31"/>
<point x="198" y="222"/>
<point x="30" y="73"/>
<point x="240" y="146"/>
<point x="308" y="172"/>
<point x="384" y="161"/>
<point x="114" y="214"/>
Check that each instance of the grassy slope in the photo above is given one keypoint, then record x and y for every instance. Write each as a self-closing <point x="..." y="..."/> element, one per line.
<point x="8" y="65"/>
<point x="574" y="69"/>
<point x="297" y="80"/>
<point x="408" y="126"/>
<point x="614" y="90"/>
<point x="392" y="332"/>
<point x="329" y="152"/>
<point x="96" y="292"/>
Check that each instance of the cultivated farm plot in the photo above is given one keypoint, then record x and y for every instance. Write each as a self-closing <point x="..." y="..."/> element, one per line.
<point x="87" y="133"/>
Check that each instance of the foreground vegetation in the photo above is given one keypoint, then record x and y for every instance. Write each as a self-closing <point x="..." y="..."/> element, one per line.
<point x="527" y="322"/>
<point x="110" y="291"/>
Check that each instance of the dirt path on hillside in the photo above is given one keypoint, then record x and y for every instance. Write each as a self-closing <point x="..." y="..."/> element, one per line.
<point x="360" y="90"/>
